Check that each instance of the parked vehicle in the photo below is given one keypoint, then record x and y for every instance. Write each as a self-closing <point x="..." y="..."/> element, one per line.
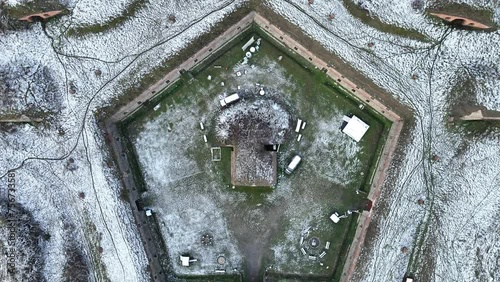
<point x="293" y="164"/>
<point x="335" y="217"/>
<point x="229" y="99"/>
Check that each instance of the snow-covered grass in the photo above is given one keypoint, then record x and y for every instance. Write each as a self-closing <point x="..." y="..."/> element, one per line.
<point x="192" y="196"/>
<point x="186" y="198"/>
<point x="266" y="110"/>
<point x="79" y="204"/>
<point x="35" y="81"/>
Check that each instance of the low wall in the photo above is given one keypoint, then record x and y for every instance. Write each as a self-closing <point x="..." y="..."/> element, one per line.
<point x="175" y="74"/>
<point x="285" y="39"/>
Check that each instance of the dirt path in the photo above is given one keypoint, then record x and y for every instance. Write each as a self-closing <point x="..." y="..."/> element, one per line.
<point x="253" y="258"/>
<point x="254" y="234"/>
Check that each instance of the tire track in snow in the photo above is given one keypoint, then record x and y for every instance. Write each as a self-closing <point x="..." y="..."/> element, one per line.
<point x="85" y="145"/>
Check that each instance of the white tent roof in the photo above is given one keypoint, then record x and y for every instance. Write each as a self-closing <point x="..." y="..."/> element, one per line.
<point x="355" y="128"/>
<point x="184" y="261"/>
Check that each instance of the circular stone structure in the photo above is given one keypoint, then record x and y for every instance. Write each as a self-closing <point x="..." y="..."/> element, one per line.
<point x="314" y="242"/>
<point x="221" y="260"/>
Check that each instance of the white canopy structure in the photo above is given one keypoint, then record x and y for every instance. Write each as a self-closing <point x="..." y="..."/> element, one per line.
<point x="335" y="217"/>
<point x="355" y="127"/>
<point x="185" y="261"/>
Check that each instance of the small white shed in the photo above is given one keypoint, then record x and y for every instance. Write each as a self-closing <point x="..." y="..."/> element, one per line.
<point x="335" y="217"/>
<point x="355" y="127"/>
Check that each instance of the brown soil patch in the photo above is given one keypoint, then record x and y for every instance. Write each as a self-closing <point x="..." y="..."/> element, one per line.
<point x="465" y="22"/>
<point x="43" y="16"/>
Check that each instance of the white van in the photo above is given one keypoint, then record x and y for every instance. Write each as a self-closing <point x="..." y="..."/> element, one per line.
<point x="229" y="99"/>
<point x="293" y="164"/>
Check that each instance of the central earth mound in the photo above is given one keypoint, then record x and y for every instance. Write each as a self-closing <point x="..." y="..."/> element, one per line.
<point x="253" y="128"/>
